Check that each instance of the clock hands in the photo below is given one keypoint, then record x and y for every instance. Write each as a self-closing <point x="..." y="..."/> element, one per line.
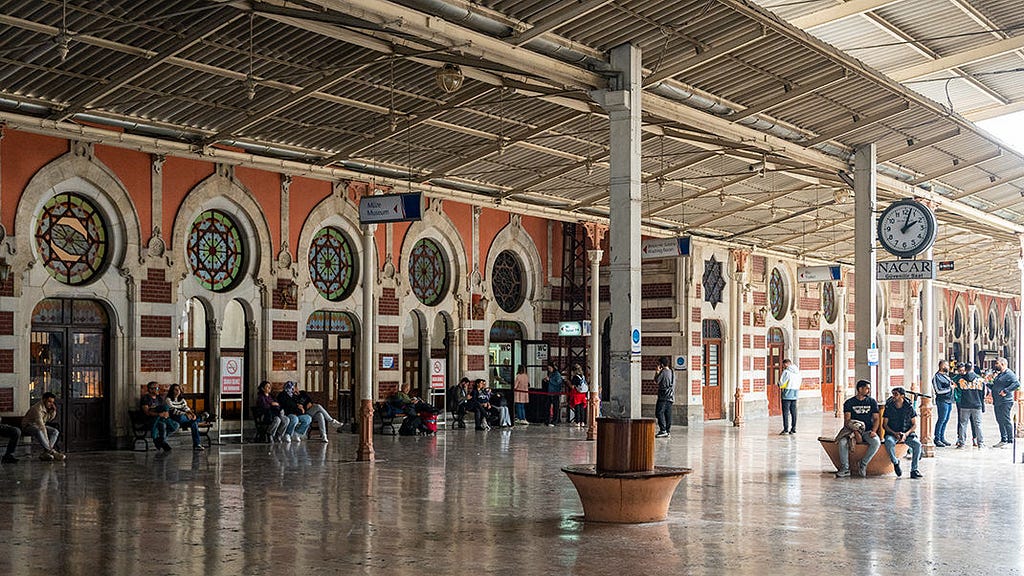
<point x="908" y="225"/>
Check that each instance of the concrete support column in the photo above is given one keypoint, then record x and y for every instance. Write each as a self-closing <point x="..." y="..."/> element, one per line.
<point x="1017" y="343"/>
<point x="928" y="363"/>
<point x="842" y="352"/>
<point x="366" y="370"/>
<point x="864" y="261"/>
<point x="594" y="405"/>
<point x="734" y="384"/>
<point x="622" y="102"/>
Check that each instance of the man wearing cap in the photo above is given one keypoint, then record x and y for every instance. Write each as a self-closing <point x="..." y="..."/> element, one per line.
<point x="971" y="404"/>
<point x="899" y="423"/>
<point x="861" y="407"/>
<point x="1003" y="386"/>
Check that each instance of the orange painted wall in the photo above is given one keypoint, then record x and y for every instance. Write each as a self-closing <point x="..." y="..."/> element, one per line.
<point x="304" y="194"/>
<point x="461" y="216"/>
<point x="23" y="154"/>
<point x="537" y="228"/>
<point x="180" y="176"/>
<point x="266" y="189"/>
<point x="491" y="222"/>
<point x="133" y="169"/>
<point x="399" y="230"/>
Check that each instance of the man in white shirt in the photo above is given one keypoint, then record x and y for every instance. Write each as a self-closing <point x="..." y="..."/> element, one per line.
<point x="789" y="385"/>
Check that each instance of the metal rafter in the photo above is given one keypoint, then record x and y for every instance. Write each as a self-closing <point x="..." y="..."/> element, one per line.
<point x="569" y="12"/>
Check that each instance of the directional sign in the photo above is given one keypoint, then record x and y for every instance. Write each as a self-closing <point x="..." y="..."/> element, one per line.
<point x="665" y="248"/>
<point x="390" y="208"/>
<point x="905" y="270"/>
<point x="946" y="266"/>
<point x="570" y="329"/>
<point x="817" y="273"/>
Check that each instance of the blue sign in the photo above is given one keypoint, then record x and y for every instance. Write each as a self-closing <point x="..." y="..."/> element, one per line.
<point x="635" y="340"/>
<point x="391" y="208"/>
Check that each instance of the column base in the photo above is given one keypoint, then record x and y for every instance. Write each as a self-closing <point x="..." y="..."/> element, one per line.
<point x="365" y="451"/>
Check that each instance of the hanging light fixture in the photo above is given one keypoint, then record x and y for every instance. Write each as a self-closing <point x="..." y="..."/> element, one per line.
<point x="449" y="78"/>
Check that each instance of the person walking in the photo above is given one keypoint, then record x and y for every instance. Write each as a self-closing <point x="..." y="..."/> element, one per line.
<point x="971" y="390"/>
<point x="1003" y="386"/>
<point x="789" y="386"/>
<point x="666" y="382"/>
<point x="942" y="385"/>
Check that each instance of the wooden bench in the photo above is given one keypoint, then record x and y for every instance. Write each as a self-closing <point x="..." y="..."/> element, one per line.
<point x="388" y="417"/>
<point x="142" y="428"/>
<point x="879" y="464"/>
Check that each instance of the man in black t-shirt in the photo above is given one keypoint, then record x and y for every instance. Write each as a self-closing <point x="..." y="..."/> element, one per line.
<point x="861" y="407"/>
<point x="899" y="423"/>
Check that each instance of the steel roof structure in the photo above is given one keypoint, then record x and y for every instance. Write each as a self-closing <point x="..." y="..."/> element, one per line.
<point x="750" y="121"/>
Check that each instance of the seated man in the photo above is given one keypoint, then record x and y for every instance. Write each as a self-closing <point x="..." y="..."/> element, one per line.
<point x="861" y="407"/>
<point x="13" y="435"/>
<point x="480" y="403"/>
<point x="319" y="414"/>
<point x="457" y="398"/>
<point x="899" y="422"/>
<point x="36" y="422"/>
<point x="155" y="408"/>
<point x="402" y="403"/>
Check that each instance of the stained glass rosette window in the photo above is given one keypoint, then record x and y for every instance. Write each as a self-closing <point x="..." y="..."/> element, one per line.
<point x="332" y="265"/>
<point x="507" y="281"/>
<point x="428" y="272"/>
<point x="777" y="294"/>
<point x="72" y="238"/>
<point x="215" y="252"/>
<point x="713" y="283"/>
<point x="828" y="302"/>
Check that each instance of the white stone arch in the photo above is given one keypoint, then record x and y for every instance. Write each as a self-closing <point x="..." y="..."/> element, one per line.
<point x="436" y="226"/>
<point x="515" y="239"/>
<point x="338" y="212"/>
<point x="222" y="192"/>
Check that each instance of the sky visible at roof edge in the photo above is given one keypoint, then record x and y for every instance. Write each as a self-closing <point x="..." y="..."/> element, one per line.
<point x="1008" y="128"/>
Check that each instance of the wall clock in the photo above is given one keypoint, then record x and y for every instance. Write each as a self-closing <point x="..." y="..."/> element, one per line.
<point x="906" y="228"/>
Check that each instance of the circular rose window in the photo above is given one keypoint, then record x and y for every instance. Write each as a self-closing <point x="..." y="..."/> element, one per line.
<point x="777" y="294"/>
<point x="72" y="238"/>
<point x="428" y="272"/>
<point x="828" y="302"/>
<point x="332" y="265"/>
<point x="215" y="252"/>
<point x="507" y="281"/>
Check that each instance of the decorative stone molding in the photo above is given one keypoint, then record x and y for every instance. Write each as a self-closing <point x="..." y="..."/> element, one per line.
<point x="82" y="149"/>
<point x="158" y="163"/>
<point x="596" y="233"/>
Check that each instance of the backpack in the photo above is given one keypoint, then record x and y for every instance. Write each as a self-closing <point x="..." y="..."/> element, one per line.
<point x="581" y="384"/>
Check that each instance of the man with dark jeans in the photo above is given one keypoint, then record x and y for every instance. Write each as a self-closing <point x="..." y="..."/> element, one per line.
<point x="154" y="407"/>
<point x="553" y="384"/>
<point x="899" y="422"/>
<point x="971" y="390"/>
<point x="1003" y="386"/>
<point x="666" y="381"/>
<point x="13" y="436"/>
<point x="789" y="386"/>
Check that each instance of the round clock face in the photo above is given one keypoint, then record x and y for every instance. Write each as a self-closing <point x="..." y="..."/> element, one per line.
<point x="906" y="228"/>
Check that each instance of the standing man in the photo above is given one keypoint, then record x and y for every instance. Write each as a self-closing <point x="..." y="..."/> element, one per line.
<point x="942" y="385"/>
<point x="36" y="422"/>
<point x="899" y="423"/>
<point x="971" y="405"/>
<point x="666" y="381"/>
<point x="861" y="407"/>
<point x="1003" y="387"/>
<point x="554" y="383"/>
<point x="789" y="385"/>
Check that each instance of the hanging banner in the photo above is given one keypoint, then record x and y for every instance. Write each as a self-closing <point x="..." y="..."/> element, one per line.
<point x="231" y="370"/>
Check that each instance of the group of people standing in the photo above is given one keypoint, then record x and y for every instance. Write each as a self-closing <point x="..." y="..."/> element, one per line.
<point x="966" y="389"/>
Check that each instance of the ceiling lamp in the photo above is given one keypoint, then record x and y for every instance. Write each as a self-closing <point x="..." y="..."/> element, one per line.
<point x="449" y="78"/>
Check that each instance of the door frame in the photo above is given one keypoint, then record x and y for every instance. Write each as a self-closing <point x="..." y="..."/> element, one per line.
<point x="776" y="350"/>
<point x="828" y="350"/>
<point x="711" y="338"/>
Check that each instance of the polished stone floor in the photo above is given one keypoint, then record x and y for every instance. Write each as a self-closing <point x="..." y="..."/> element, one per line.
<point x="496" y="503"/>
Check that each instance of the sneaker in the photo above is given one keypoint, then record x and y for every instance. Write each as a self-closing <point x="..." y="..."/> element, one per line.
<point x="959" y="446"/>
<point x="999" y="444"/>
<point x="58" y="455"/>
<point x="324" y="439"/>
<point x="198" y="447"/>
<point x="981" y="445"/>
<point x="844" y="473"/>
<point x="46" y="457"/>
<point x="915" y="474"/>
<point x="552" y="425"/>
<point x="862" y="470"/>
<point x="9" y="459"/>
<point x="287" y="438"/>
<point x="792" y="431"/>
<point x="296" y="437"/>
<point x="661" y="434"/>
<point x="783" y="433"/>
<point x="896" y="467"/>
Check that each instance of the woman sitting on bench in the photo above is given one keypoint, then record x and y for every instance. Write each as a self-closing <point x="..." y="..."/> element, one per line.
<point x="182" y="414"/>
<point x="270" y="412"/>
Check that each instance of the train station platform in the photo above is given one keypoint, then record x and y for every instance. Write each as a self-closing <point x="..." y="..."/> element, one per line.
<point x="496" y="502"/>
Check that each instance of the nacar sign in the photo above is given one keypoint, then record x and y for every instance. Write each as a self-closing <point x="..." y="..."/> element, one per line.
<point x="905" y="270"/>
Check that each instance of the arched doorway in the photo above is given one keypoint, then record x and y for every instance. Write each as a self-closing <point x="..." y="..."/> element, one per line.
<point x="413" y="338"/>
<point x="503" y="337"/>
<point x="776" y="344"/>
<point x="828" y="371"/>
<point x="712" y="364"/>
<point x="192" y="337"/>
<point x="70" y="341"/>
<point x="331" y="356"/>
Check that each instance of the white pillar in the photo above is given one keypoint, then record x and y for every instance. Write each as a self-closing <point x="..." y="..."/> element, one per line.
<point x="928" y="365"/>
<point x="842" y="352"/>
<point x="735" y="337"/>
<point x="594" y="404"/>
<point x="864" y="261"/>
<point x="622" y="102"/>
<point x="365" y="450"/>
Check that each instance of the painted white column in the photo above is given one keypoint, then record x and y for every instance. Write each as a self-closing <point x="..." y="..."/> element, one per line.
<point x="368" y="366"/>
<point x="622" y="102"/>
<point x="735" y="338"/>
<point x="864" y="261"/>
<point x="928" y="355"/>
<point x="842" y="352"/>
<point x="594" y="405"/>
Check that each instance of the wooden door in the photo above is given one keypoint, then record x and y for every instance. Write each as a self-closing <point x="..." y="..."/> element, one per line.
<point x="411" y="369"/>
<point x="776" y="343"/>
<point x="828" y="372"/>
<point x="711" y="392"/>
<point x="69" y="347"/>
